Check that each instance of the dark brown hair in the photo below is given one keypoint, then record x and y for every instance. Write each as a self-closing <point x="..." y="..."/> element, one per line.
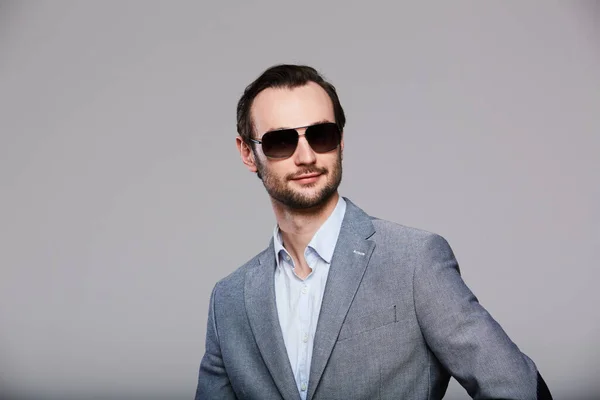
<point x="283" y="76"/>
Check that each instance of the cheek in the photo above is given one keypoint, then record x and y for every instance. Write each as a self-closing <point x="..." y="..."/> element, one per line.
<point x="274" y="169"/>
<point x="332" y="159"/>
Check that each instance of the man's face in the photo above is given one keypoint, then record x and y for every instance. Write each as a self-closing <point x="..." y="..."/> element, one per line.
<point x="290" y="108"/>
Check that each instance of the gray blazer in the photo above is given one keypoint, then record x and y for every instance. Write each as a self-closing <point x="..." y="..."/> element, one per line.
<point x="396" y="322"/>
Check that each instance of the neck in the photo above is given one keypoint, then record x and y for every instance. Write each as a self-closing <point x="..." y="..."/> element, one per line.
<point x="299" y="226"/>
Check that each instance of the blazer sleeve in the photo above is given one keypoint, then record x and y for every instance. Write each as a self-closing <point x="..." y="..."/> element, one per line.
<point x="213" y="382"/>
<point x="464" y="337"/>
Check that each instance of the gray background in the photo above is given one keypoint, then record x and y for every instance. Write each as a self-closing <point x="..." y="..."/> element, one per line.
<point x="123" y="199"/>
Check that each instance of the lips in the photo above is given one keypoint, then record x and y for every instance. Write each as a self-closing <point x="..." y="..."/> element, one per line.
<point x="306" y="176"/>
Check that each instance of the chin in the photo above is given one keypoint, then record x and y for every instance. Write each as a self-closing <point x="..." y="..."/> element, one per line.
<point x="309" y="189"/>
<point x="317" y="196"/>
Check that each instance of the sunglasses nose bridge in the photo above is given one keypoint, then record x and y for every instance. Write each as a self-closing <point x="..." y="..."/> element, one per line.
<point x="301" y="131"/>
<point x="302" y="136"/>
<point x="304" y="150"/>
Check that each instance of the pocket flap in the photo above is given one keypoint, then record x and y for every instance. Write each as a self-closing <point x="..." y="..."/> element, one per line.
<point x="362" y="323"/>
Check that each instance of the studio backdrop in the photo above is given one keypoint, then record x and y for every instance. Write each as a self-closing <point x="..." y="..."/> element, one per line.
<point x="123" y="199"/>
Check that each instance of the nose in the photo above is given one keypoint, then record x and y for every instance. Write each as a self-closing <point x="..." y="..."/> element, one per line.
<point x="304" y="154"/>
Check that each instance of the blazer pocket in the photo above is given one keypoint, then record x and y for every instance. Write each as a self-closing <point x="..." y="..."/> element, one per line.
<point x="363" y="323"/>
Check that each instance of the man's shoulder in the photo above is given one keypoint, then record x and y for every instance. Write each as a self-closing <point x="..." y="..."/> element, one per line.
<point x="405" y="241"/>
<point x="389" y="229"/>
<point x="236" y="279"/>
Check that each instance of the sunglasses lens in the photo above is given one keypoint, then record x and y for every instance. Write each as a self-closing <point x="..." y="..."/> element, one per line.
<point x="323" y="137"/>
<point x="280" y="144"/>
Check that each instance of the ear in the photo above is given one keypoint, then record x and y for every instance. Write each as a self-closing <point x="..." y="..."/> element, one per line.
<point x="246" y="154"/>
<point x="342" y="142"/>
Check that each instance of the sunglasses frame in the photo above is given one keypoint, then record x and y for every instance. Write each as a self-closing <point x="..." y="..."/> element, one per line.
<point x="306" y="127"/>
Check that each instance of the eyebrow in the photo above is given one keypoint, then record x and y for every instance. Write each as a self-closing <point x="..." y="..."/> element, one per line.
<point x="298" y="127"/>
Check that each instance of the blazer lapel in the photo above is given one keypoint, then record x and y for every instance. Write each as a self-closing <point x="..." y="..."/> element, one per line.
<point x="264" y="321"/>
<point x="348" y="265"/>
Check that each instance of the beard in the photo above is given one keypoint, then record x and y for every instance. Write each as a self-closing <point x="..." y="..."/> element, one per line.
<point x="279" y="190"/>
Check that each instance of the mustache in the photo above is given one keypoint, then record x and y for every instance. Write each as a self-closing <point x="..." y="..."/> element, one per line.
<point x="307" y="171"/>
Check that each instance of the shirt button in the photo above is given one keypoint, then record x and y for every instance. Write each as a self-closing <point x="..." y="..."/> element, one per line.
<point x="304" y="290"/>
<point x="305" y="338"/>
<point x="287" y="258"/>
<point x="303" y="386"/>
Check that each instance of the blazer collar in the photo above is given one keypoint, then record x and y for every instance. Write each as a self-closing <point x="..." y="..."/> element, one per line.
<point x="259" y="290"/>
<point x="324" y="240"/>
<point x="348" y="264"/>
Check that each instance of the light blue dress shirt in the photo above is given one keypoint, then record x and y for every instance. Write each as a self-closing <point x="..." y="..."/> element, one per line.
<point x="299" y="301"/>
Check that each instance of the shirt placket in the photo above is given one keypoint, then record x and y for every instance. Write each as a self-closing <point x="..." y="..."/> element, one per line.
<point x="305" y="323"/>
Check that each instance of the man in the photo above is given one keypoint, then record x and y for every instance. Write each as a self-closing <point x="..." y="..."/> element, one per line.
<point x="342" y="305"/>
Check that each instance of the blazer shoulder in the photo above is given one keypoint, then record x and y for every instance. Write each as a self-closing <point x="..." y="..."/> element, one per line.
<point x="390" y="229"/>
<point x="235" y="280"/>
<point x="418" y="244"/>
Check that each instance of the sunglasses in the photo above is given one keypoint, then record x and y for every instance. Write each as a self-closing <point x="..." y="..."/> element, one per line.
<point x="282" y="143"/>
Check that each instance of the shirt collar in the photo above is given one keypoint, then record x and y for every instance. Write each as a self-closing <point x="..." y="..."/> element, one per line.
<point x="324" y="240"/>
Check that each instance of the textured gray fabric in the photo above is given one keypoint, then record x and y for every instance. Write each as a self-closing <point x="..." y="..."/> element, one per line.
<point x="396" y="321"/>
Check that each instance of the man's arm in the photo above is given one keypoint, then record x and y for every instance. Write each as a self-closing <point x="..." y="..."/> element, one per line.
<point x="213" y="382"/>
<point x="464" y="337"/>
